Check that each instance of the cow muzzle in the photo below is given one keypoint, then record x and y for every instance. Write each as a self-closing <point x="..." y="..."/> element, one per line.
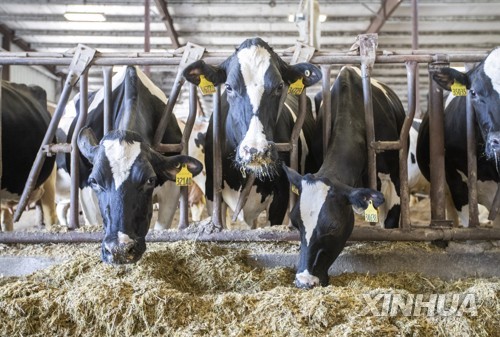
<point x="114" y="252"/>
<point x="305" y="280"/>
<point x="260" y="161"/>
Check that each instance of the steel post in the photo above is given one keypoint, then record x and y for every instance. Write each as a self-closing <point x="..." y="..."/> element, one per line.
<point x="217" y="156"/>
<point x="436" y="146"/>
<point x="327" y="107"/>
<point x="368" y="47"/>
<point x="108" y="87"/>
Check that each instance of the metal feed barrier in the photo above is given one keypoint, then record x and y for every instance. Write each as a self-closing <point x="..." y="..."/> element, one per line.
<point x="439" y="229"/>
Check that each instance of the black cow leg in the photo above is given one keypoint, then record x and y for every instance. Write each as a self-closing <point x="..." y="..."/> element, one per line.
<point x="392" y="220"/>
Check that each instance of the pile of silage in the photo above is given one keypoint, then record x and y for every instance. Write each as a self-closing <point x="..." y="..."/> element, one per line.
<point x="203" y="289"/>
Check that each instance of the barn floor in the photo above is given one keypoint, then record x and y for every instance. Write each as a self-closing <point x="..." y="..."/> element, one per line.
<point x="209" y="289"/>
<point x="245" y="289"/>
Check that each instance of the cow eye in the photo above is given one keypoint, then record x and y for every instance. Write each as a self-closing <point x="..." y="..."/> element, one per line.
<point x="228" y="88"/>
<point x="279" y="89"/>
<point x="472" y="92"/>
<point x="95" y="186"/>
<point x="151" y="181"/>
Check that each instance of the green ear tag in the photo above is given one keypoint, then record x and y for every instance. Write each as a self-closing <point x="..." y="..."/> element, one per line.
<point x="458" y="89"/>
<point x="296" y="87"/>
<point x="184" y="177"/>
<point x="371" y="214"/>
<point x="206" y="86"/>
<point x="295" y="189"/>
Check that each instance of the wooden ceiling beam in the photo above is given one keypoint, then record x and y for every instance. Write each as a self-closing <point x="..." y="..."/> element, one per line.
<point x="386" y="9"/>
<point x="161" y="5"/>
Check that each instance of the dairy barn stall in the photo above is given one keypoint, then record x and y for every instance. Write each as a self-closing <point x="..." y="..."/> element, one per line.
<point x="200" y="189"/>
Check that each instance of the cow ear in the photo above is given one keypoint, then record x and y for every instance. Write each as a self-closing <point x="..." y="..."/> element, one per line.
<point x="359" y="197"/>
<point x="293" y="177"/>
<point x="166" y="168"/>
<point x="214" y="74"/>
<point x="309" y="73"/>
<point x="87" y="143"/>
<point x="445" y="77"/>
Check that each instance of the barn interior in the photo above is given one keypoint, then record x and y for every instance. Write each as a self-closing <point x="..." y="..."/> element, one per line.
<point x="52" y="282"/>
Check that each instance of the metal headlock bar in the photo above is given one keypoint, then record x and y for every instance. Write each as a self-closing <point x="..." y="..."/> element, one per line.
<point x="77" y="70"/>
<point x="325" y="60"/>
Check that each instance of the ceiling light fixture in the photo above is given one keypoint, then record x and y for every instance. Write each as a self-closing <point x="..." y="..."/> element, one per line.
<point x="85" y="16"/>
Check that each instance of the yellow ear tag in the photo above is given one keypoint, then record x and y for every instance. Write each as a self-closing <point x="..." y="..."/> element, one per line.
<point x="296" y="87"/>
<point x="206" y="86"/>
<point x="458" y="89"/>
<point x="184" y="177"/>
<point x="295" y="189"/>
<point x="371" y="213"/>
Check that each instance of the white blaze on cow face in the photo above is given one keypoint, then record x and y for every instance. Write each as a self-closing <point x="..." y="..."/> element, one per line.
<point x="255" y="138"/>
<point x="492" y="69"/>
<point x="121" y="156"/>
<point x="254" y="62"/>
<point x="124" y="238"/>
<point x="306" y="279"/>
<point x="312" y="198"/>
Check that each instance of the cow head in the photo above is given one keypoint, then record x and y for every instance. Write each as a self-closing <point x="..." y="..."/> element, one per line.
<point x="323" y="214"/>
<point x="256" y="81"/>
<point x="483" y="82"/>
<point x="125" y="171"/>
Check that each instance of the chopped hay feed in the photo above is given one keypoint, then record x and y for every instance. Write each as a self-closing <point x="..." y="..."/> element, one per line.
<point x="208" y="289"/>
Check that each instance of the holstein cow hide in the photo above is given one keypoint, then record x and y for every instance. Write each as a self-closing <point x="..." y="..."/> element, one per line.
<point x="137" y="105"/>
<point x="25" y="120"/>
<point x="483" y="85"/>
<point x="122" y="169"/>
<point x="256" y="113"/>
<point x="324" y="211"/>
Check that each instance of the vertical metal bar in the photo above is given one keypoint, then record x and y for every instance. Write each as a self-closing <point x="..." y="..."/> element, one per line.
<point x="368" y="48"/>
<point x="414" y="24"/>
<point x="472" y="163"/>
<point x="1" y="134"/>
<point x="414" y="46"/>
<point x="294" y="140"/>
<point x="184" y="216"/>
<point x="327" y="107"/>
<point x="217" y="164"/>
<point x="75" y="152"/>
<point x="370" y="126"/>
<point x="436" y="149"/>
<point x="108" y="86"/>
<point x="147" y="33"/>
<point x="411" y="68"/>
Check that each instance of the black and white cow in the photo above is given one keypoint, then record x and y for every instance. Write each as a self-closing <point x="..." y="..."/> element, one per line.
<point x="324" y="211"/>
<point x="483" y="83"/>
<point x="133" y="94"/>
<point x="121" y="168"/>
<point x="25" y="120"/>
<point x="257" y="112"/>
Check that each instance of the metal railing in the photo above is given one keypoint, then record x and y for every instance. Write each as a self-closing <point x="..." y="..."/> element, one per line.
<point x="440" y="229"/>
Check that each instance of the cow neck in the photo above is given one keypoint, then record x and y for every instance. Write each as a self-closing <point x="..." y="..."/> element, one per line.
<point x="345" y="160"/>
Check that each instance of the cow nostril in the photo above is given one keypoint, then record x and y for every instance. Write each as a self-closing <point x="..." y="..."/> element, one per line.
<point x="130" y="250"/>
